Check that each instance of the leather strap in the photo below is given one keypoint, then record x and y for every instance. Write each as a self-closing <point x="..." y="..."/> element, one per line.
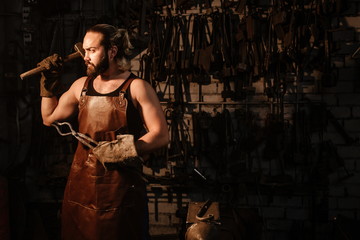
<point x="127" y="83"/>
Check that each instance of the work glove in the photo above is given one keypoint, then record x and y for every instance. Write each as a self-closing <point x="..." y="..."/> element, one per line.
<point x="122" y="150"/>
<point x="50" y="78"/>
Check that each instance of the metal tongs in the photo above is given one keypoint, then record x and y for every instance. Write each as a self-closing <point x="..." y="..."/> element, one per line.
<point x="87" y="141"/>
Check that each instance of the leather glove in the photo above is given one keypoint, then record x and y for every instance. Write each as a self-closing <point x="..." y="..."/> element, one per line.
<point x="49" y="82"/>
<point x="122" y="150"/>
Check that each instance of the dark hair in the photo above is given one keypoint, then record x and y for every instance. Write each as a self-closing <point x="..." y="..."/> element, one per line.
<point x="118" y="37"/>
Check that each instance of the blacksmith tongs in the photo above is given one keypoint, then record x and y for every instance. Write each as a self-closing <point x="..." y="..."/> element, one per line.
<point x="87" y="141"/>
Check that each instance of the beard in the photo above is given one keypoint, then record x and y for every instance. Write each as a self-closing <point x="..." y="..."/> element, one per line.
<point x="93" y="70"/>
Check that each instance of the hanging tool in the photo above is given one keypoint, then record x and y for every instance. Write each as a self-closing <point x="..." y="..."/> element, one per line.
<point x="200" y="214"/>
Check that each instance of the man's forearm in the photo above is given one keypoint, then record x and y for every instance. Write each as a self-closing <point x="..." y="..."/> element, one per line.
<point x="48" y="106"/>
<point x="150" y="142"/>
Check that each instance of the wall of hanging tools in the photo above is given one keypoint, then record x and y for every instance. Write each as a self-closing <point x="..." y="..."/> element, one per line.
<point x="244" y="88"/>
<point x="259" y="55"/>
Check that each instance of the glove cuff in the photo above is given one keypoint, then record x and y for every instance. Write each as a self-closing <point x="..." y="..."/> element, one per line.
<point x="49" y="87"/>
<point x="122" y="150"/>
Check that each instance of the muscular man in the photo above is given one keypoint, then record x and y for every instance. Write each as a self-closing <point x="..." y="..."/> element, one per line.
<point x="106" y="201"/>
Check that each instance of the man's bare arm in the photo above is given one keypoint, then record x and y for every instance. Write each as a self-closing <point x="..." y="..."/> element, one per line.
<point x="53" y="109"/>
<point x="149" y="106"/>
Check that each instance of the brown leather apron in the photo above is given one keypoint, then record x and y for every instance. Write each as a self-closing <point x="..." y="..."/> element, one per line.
<point x="103" y="204"/>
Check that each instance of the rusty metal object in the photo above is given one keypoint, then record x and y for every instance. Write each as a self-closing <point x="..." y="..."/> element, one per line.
<point x="203" y="231"/>
<point x="204" y="221"/>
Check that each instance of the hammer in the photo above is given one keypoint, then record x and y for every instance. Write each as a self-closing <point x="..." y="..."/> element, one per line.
<point x="79" y="52"/>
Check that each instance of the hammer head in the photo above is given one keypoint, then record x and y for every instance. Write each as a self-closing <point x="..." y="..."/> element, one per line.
<point x="78" y="48"/>
<point x="79" y="52"/>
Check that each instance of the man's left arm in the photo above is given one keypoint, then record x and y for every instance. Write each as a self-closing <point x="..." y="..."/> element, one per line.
<point x="153" y="116"/>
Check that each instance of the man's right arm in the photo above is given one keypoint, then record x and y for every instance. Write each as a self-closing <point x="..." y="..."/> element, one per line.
<point x="54" y="109"/>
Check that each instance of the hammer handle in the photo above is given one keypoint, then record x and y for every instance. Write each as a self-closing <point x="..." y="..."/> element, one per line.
<point x="71" y="56"/>
<point x="32" y="72"/>
<point x="41" y="69"/>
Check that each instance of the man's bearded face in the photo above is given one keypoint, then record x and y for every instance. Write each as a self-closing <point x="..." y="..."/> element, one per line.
<point x="95" y="70"/>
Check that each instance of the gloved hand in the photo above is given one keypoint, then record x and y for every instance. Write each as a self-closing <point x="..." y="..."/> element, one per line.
<point x="49" y="82"/>
<point x="122" y="150"/>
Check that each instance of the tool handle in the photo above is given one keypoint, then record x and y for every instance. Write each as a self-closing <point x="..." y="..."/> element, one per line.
<point x="72" y="56"/>
<point x="32" y="72"/>
<point x="41" y="69"/>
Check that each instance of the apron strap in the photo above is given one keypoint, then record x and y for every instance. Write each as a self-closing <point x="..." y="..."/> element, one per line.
<point x="86" y="84"/>
<point x="127" y="83"/>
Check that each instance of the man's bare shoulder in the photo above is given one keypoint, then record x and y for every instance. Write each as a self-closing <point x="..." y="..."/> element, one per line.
<point x="77" y="86"/>
<point x="142" y="91"/>
<point x="138" y="84"/>
<point x="79" y="82"/>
